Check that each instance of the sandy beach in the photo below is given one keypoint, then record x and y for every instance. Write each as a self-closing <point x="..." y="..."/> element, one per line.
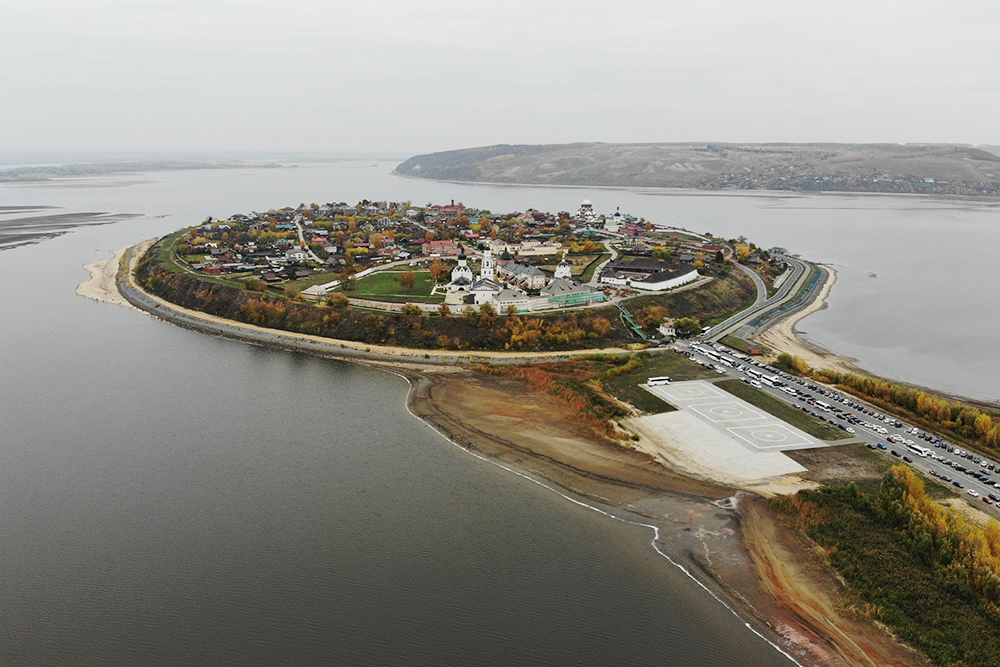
<point x="726" y="539"/>
<point x="781" y="336"/>
<point x="100" y="286"/>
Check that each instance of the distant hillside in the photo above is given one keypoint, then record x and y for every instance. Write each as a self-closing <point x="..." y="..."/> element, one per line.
<point x="927" y="169"/>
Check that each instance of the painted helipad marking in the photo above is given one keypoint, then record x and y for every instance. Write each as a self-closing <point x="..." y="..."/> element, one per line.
<point x="690" y="392"/>
<point x="744" y="424"/>
<point x="768" y="436"/>
<point x="725" y="412"/>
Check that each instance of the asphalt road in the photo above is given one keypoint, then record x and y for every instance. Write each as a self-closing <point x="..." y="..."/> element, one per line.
<point x="788" y="290"/>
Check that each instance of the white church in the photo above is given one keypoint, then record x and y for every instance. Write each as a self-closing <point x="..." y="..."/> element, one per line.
<point x="561" y="290"/>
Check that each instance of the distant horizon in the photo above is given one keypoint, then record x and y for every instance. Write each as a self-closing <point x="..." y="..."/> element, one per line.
<point x="36" y="158"/>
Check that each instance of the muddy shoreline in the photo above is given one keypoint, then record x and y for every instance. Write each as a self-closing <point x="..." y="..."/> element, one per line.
<point x="722" y="538"/>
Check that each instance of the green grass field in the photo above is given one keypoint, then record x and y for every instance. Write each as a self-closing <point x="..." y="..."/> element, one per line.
<point x="626" y="387"/>
<point x="782" y="411"/>
<point x="317" y="279"/>
<point x="384" y="286"/>
<point x="735" y="343"/>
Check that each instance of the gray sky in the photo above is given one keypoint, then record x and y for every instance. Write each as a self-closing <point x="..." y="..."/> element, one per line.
<point x="413" y="77"/>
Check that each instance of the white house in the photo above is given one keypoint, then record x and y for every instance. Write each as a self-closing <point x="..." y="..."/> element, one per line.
<point x="296" y="255"/>
<point x="666" y="279"/>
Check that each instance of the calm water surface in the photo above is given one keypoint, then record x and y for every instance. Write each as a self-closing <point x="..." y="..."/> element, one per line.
<point x="168" y="498"/>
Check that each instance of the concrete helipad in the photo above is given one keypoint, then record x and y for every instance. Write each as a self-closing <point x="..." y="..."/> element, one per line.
<point x="718" y="435"/>
<point x="745" y="424"/>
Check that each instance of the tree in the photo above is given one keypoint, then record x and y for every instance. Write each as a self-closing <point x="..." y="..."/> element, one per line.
<point x="589" y="247"/>
<point x="444" y="310"/>
<point x="412" y="310"/>
<point x="487" y="316"/>
<point x="662" y="254"/>
<point x="688" y="325"/>
<point x="437" y="269"/>
<point x="407" y="280"/>
<point x="337" y="300"/>
<point x="742" y="251"/>
<point x="792" y="364"/>
<point x="511" y="310"/>
<point x="652" y="316"/>
<point x="719" y="257"/>
<point x="601" y="326"/>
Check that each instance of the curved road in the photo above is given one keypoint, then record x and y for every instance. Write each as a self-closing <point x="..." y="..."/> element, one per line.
<point x="788" y="290"/>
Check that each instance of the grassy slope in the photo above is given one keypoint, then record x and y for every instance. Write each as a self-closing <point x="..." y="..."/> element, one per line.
<point x="625" y="387"/>
<point x="716" y="299"/>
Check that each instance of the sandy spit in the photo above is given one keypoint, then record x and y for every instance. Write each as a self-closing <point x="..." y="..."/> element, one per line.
<point x="100" y="286"/>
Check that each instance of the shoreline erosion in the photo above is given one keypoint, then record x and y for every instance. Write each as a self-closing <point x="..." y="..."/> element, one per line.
<point x="726" y="540"/>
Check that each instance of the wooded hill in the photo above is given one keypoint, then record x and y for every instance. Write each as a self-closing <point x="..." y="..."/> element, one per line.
<point x="923" y="169"/>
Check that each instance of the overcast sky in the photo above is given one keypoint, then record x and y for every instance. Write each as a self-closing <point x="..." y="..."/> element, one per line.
<point x="414" y="77"/>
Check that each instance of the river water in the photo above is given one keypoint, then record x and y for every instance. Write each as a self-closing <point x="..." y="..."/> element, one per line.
<point x="168" y="498"/>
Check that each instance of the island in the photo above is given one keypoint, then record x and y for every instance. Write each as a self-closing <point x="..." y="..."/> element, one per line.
<point x="635" y="368"/>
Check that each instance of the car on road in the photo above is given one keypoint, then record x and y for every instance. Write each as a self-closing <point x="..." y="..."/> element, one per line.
<point x="958" y="484"/>
<point x="973" y="493"/>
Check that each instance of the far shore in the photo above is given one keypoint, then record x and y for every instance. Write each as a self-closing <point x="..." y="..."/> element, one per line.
<point x="726" y="539"/>
<point x="669" y="191"/>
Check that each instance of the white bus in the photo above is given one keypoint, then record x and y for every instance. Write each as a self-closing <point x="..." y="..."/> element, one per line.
<point x="653" y="382"/>
<point x="918" y="450"/>
<point x="773" y="380"/>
